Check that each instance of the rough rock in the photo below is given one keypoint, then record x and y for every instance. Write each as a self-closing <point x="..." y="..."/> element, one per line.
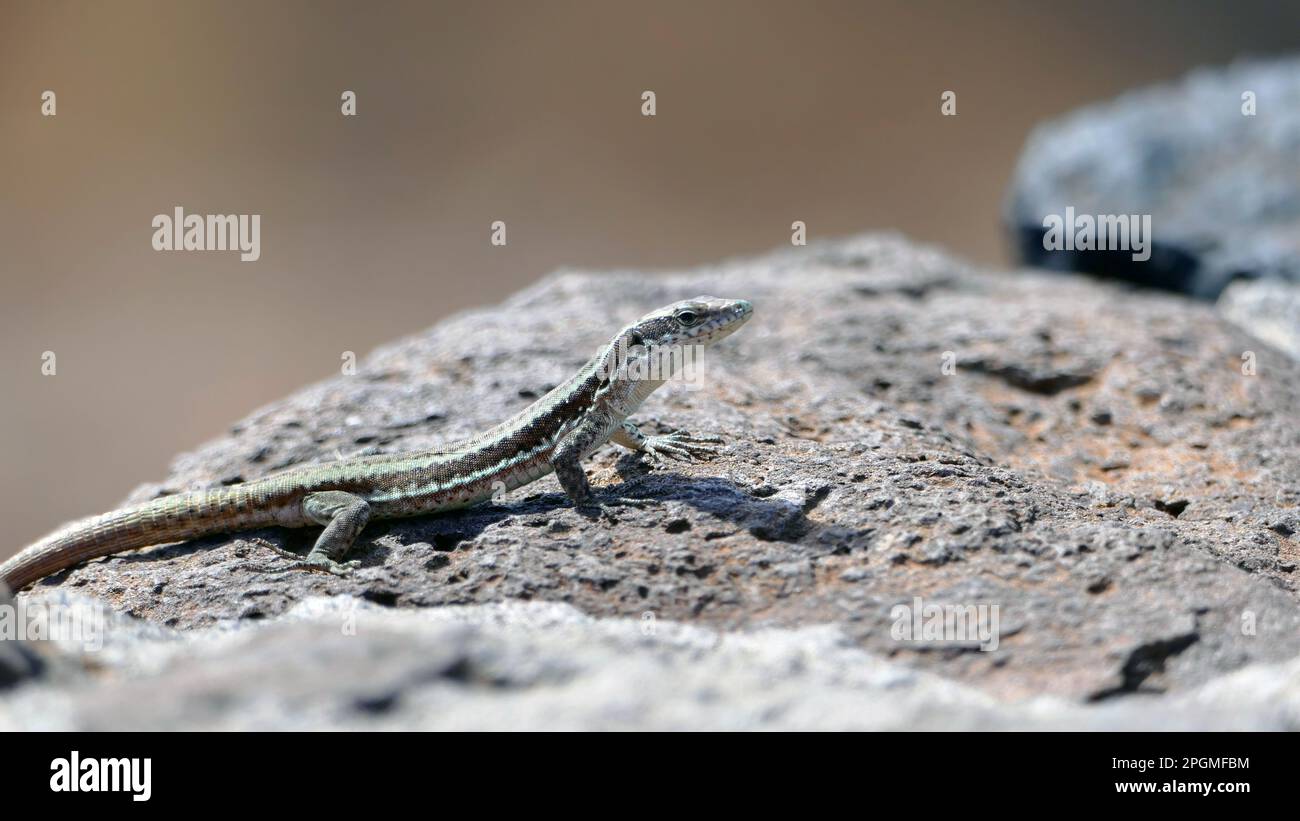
<point x="348" y="664"/>
<point x="1092" y="461"/>
<point x="1222" y="188"/>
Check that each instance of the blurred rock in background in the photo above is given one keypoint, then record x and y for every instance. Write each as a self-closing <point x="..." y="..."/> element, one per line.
<point x="1222" y="186"/>
<point x="1213" y="159"/>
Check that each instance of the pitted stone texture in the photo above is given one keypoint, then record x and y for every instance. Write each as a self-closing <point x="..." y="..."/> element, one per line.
<point x="899" y="425"/>
<point x="340" y="663"/>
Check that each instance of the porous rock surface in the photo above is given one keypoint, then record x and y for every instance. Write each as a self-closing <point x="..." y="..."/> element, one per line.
<point x="343" y="663"/>
<point x="1091" y="460"/>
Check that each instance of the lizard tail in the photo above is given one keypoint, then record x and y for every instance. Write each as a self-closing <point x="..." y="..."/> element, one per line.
<point x="162" y="521"/>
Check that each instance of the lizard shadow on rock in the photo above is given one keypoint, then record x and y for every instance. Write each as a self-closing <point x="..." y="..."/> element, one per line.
<point x="641" y="489"/>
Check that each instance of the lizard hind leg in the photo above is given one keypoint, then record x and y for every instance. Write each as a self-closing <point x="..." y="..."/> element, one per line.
<point x="344" y="517"/>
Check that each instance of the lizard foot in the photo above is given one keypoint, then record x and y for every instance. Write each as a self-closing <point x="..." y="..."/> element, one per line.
<point x="274" y="548"/>
<point x="681" y="447"/>
<point x="328" y="565"/>
<point x="317" y="562"/>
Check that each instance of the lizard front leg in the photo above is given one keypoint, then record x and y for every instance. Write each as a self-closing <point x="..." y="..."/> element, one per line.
<point x="567" y="457"/>
<point x="678" y="445"/>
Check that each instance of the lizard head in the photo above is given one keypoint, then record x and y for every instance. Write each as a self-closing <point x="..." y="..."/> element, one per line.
<point x="700" y="321"/>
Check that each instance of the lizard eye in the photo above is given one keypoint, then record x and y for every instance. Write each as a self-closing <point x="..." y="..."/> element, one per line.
<point x="688" y="318"/>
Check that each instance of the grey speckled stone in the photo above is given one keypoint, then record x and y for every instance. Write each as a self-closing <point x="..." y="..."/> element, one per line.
<point x="1096" y="465"/>
<point x="348" y="664"/>
<point x="1223" y="189"/>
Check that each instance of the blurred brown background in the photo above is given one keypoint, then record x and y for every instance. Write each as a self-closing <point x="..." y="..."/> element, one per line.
<point x="529" y="112"/>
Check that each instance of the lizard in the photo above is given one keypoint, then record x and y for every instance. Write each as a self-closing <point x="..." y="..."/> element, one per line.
<point x="553" y="434"/>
